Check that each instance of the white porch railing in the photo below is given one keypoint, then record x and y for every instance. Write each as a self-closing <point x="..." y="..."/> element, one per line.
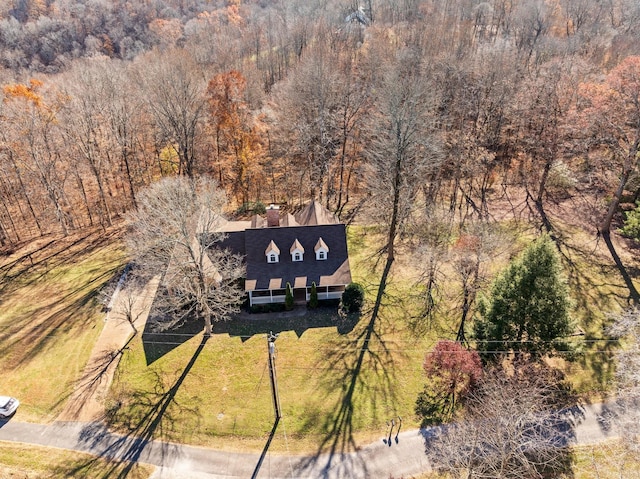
<point x="267" y="299"/>
<point x="281" y="298"/>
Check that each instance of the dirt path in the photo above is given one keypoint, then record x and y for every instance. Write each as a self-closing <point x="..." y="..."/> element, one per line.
<point x="87" y="402"/>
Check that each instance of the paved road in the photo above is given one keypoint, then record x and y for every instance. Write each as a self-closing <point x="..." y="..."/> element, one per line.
<point x="404" y="457"/>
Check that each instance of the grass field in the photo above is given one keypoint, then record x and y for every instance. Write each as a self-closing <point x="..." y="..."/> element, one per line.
<point x="608" y="460"/>
<point x="339" y="381"/>
<point x="35" y="462"/>
<point x="338" y="386"/>
<point x="50" y="318"/>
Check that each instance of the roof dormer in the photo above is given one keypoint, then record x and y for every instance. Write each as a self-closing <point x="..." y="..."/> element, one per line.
<point x="321" y="249"/>
<point x="297" y="251"/>
<point x="272" y="253"/>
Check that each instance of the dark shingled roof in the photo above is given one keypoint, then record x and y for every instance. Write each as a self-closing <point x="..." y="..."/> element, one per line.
<point x="332" y="271"/>
<point x="319" y="223"/>
<point x="234" y="242"/>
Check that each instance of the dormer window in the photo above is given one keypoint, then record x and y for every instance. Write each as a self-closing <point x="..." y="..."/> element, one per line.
<point x="297" y="251"/>
<point x="321" y="249"/>
<point x="272" y="253"/>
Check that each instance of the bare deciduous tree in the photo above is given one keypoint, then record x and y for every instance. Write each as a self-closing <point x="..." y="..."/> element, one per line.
<point x="36" y="144"/>
<point x="175" y="90"/>
<point x="476" y="246"/>
<point x="539" y="114"/>
<point x="85" y="123"/>
<point x="402" y="151"/>
<point x="511" y="430"/>
<point x="611" y="118"/>
<point x="430" y="236"/>
<point x="627" y="419"/>
<point x="175" y="232"/>
<point x="309" y="118"/>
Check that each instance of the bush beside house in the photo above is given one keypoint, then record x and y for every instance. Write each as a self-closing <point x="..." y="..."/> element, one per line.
<point x="353" y="298"/>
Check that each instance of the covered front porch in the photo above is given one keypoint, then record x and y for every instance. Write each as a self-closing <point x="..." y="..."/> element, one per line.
<point x="300" y="294"/>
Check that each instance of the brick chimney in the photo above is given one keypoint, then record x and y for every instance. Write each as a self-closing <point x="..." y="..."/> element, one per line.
<point x="273" y="216"/>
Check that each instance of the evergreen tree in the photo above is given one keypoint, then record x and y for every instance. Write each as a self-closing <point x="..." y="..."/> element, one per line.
<point x="288" y="298"/>
<point x="631" y="228"/>
<point x="313" y="297"/>
<point x="528" y="310"/>
<point x="353" y="298"/>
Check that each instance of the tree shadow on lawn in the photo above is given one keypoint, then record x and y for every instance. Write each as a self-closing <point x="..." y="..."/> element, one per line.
<point x="158" y="343"/>
<point x="36" y="263"/>
<point x="357" y="359"/>
<point x="34" y="331"/>
<point x="147" y="416"/>
<point x="593" y="296"/>
<point x="245" y="326"/>
<point x="25" y="338"/>
<point x="94" y="374"/>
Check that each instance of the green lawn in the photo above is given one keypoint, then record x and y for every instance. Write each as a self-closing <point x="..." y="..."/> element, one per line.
<point x="50" y="319"/>
<point x="339" y="382"/>
<point x="330" y="384"/>
<point x="336" y="387"/>
<point x="35" y="462"/>
<point x="598" y="292"/>
<point x="609" y="460"/>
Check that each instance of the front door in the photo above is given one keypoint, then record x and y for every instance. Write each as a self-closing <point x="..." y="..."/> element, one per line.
<point x="300" y="295"/>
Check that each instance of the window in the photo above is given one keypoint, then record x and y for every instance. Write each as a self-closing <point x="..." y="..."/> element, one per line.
<point x="297" y="251"/>
<point x="272" y="253"/>
<point x="321" y="250"/>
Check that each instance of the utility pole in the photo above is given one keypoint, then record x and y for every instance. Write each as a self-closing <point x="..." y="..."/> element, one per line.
<point x="271" y="340"/>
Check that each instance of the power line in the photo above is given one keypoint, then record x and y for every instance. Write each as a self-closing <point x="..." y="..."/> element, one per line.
<point x="393" y="340"/>
<point x="372" y="350"/>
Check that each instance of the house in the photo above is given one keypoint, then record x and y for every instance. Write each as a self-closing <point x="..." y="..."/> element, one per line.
<point x="301" y="249"/>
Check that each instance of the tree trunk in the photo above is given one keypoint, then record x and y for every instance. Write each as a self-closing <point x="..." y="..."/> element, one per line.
<point x="208" y="328"/>
<point x="604" y="228"/>
<point x="83" y="193"/>
<point x="125" y="161"/>
<point x="460" y="337"/>
<point x="633" y="292"/>
<point x="343" y="154"/>
<point x="391" y="238"/>
<point x="8" y="213"/>
<point x="605" y="224"/>
<point x="23" y="189"/>
<point x="94" y="166"/>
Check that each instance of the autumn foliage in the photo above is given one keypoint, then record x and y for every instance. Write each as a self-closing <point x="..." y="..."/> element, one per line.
<point x="456" y="367"/>
<point x="28" y="92"/>
<point x="238" y="145"/>
<point x="452" y="371"/>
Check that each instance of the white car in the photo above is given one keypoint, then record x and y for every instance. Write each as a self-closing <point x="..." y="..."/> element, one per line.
<point x="8" y="406"/>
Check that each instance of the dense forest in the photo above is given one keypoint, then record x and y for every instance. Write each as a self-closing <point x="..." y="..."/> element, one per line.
<point x="448" y="102"/>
